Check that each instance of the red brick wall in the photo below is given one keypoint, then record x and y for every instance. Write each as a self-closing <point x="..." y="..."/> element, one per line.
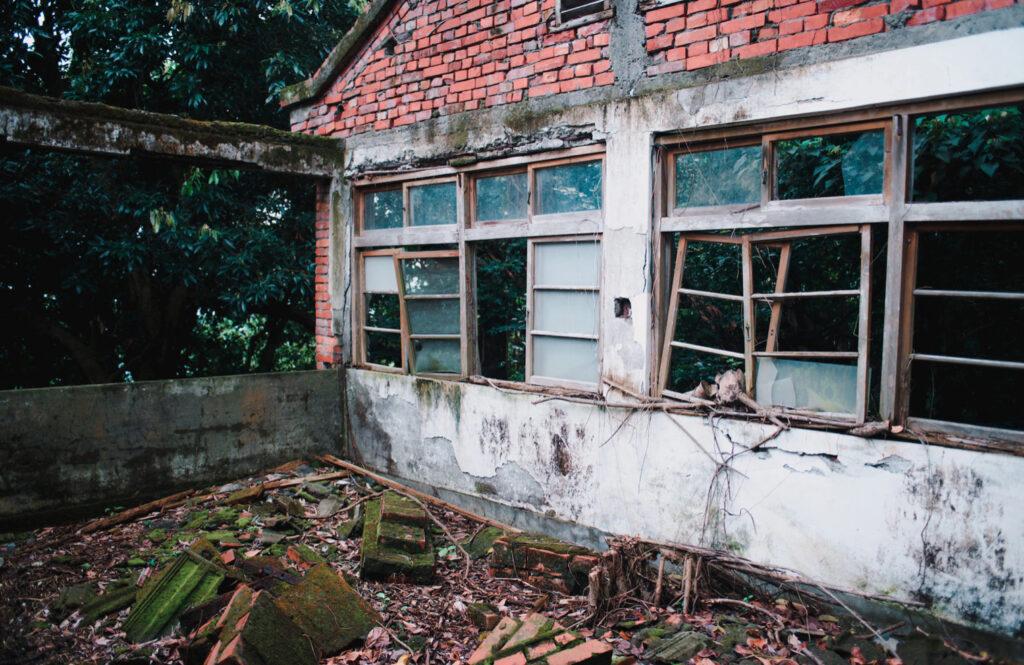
<point x="699" y="33"/>
<point x="459" y="55"/>
<point x="328" y="348"/>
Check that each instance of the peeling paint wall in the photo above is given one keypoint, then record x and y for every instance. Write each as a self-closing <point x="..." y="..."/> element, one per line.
<point x="904" y="520"/>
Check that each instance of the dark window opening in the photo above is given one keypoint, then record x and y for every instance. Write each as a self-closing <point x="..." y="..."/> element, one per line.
<point x="570" y="10"/>
<point x="501" y="308"/>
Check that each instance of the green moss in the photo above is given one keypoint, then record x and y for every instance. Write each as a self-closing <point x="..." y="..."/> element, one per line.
<point x="383" y="563"/>
<point x="328" y="610"/>
<point x="481" y="543"/>
<point x="189" y="581"/>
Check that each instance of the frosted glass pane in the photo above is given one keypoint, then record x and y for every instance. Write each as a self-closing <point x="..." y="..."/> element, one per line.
<point x="382" y="210"/>
<point x="433" y="205"/>
<point x="437" y="356"/>
<point x="718" y="177"/>
<point x="501" y="197"/>
<point x="567" y="264"/>
<point x="561" y="358"/>
<point x="803" y="384"/>
<point x="570" y="312"/>
<point x="430" y="276"/>
<point x="433" y="317"/>
<point x="569" y="188"/>
<point x="379" y="274"/>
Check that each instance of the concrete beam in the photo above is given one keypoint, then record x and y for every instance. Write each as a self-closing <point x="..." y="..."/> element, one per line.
<point x="58" y="124"/>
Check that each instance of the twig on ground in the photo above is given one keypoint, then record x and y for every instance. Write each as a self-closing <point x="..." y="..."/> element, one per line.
<point x="740" y="603"/>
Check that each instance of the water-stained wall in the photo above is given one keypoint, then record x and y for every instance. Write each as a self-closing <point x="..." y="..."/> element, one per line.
<point x="903" y="520"/>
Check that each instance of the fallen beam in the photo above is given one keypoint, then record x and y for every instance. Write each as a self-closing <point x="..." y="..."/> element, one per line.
<point x="90" y="128"/>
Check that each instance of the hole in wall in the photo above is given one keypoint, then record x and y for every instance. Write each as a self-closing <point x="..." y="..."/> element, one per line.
<point x="623" y="308"/>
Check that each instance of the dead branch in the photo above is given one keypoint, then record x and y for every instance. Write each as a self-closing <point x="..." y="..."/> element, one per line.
<point x="172" y="501"/>
<point x="739" y="603"/>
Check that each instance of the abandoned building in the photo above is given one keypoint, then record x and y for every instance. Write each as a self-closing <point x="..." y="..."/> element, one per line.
<point x="749" y="254"/>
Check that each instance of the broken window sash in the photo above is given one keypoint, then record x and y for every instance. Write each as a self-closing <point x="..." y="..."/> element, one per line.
<point x="964" y="295"/>
<point x="432" y="300"/>
<point x="433" y="204"/>
<point x="969" y="155"/>
<point x="563" y="314"/>
<point x="574" y="187"/>
<point x="380" y="311"/>
<point x="832" y="378"/>
<point x="705" y="177"/>
<point x="502" y="198"/>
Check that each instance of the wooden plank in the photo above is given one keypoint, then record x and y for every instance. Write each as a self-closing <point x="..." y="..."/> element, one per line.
<point x="973" y="295"/>
<point x="749" y="322"/>
<point x="670" y="323"/>
<point x="864" y="325"/>
<point x="960" y="360"/>
<point x="965" y="211"/>
<point x="894" y="292"/>
<point x="806" y="354"/>
<point x="796" y="295"/>
<point x="710" y="294"/>
<point x="781" y="275"/>
<point x="906" y="325"/>
<point x="707" y="349"/>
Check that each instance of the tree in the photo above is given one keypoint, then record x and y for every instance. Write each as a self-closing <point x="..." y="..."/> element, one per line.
<point x="132" y="269"/>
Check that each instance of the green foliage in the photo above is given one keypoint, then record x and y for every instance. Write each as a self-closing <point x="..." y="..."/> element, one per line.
<point x="132" y="269"/>
<point x="833" y="165"/>
<point x="975" y="155"/>
<point x="501" y="310"/>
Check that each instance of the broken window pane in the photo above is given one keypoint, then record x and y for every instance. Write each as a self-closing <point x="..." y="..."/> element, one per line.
<point x="814" y="385"/>
<point x="502" y="197"/>
<point x="433" y="205"/>
<point x="379" y="274"/>
<point x="713" y="266"/>
<point x="384" y="349"/>
<point x="433" y="317"/>
<point x="570" y="312"/>
<point x="437" y="356"/>
<point x="382" y="209"/>
<point x="970" y="155"/>
<point x="569" y="188"/>
<point x="382" y="311"/>
<point x="563" y="358"/>
<point x="833" y="165"/>
<point x="425" y="276"/>
<point x="567" y="263"/>
<point x="718" y="177"/>
<point x="501" y="311"/>
<point x="982" y="260"/>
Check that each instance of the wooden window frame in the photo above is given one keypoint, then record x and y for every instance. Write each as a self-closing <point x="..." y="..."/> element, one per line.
<point x="906" y="333"/>
<point x="606" y="11"/>
<point x="359" y="312"/>
<point x="531" y="266"/>
<point x="408" y="338"/>
<point x="782" y="239"/>
<point x="896" y="210"/>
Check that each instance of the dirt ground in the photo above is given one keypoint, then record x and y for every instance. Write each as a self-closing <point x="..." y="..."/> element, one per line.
<point x="45" y="574"/>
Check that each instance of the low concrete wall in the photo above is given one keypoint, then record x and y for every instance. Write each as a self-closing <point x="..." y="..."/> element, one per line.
<point x="66" y="451"/>
<point x="898" y="519"/>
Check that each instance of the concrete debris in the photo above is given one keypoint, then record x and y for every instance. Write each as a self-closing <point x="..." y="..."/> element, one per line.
<point x="328" y="610"/>
<point x="538" y="639"/>
<point x="545" y="562"/>
<point x="483" y="615"/>
<point x="396" y="541"/>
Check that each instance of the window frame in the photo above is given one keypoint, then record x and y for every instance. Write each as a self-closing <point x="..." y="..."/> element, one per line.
<point x="579" y="225"/>
<point x="359" y="312"/>
<point x="748" y="300"/>
<point x="531" y="267"/>
<point x="606" y="11"/>
<point x="895" y="209"/>
<point x="906" y="332"/>
<point x="408" y="337"/>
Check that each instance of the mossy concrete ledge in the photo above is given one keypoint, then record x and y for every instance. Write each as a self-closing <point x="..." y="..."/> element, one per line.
<point x="86" y="127"/>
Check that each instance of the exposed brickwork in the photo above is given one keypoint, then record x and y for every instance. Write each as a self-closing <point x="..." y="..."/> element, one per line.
<point x="699" y="33"/>
<point x="328" y="347"/>
<point x="437" y="57"/>
<point x="542" y="561"/>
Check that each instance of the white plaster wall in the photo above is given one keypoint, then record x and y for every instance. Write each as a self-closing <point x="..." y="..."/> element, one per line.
<point x="906" y="520"/>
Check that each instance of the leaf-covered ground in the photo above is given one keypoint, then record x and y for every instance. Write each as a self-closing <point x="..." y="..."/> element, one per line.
<point x="45" y="575"/>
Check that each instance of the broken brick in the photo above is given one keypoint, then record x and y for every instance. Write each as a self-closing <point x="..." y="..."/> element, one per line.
<point x="543" y="561"/>
<point x="483" y="616"/>
<point x="538" y="639"/>
<point x="255" y="631"/>
<point x="380" y="561"/>
<point x="493" y="640"/>
<point x="590" y="652"/>
<point x="328" y="610"/>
